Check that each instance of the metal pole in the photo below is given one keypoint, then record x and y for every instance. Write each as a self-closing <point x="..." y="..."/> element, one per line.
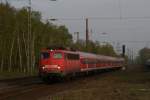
<point x="77" y="36"/>
<point x="77" y="33"/>
<point x="87" y="32"/>
<point x="30" y="18"/>
<point x="120" y="9"/>
<point x="6" y="1"/>
<point x="29" y="37"/>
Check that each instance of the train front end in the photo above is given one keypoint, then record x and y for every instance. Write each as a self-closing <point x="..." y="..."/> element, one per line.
<point x="51" y="64"/>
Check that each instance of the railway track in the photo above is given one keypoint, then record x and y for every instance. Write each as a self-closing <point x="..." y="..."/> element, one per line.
<point x="19" y="79"/>
<point x="18" y="82"/>
<point x="9" y="87"/>
<point x="35" y="89"/>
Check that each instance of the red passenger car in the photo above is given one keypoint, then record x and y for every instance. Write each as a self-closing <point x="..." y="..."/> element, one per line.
<point x="91" y="62"/>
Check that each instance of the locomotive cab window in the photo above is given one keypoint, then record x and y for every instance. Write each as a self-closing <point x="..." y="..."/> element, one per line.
<point x="57" y="55"/>
<point x="45" y="55"/>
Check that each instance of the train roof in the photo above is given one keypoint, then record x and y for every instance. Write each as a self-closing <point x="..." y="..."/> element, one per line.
<point x="91" y="55"/>
<point x="84" y="54"/>
<point x="55" y="50"/>
<point x="88" y="55"/>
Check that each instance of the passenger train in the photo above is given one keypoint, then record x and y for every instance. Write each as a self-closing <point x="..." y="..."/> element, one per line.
<point x="61" y="63"/>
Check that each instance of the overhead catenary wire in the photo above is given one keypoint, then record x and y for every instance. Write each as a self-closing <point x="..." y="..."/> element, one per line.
<point x="120" y="17"/>
<point x="102" y="18"/>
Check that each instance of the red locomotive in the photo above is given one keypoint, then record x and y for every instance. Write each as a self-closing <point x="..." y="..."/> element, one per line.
<point x="60" y="63"/>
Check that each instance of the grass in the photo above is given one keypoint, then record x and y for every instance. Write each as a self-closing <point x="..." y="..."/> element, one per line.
<point x="128" y="85"/>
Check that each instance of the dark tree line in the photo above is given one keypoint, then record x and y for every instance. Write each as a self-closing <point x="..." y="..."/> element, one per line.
<point x="144" y="55"/>
<point x="20" y="51"/>
<point x="95" y="47"/>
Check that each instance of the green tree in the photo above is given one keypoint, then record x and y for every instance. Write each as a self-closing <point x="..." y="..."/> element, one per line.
<point x="19" y="50"/>
<point x="95" y="47"/>
<point x="144" y="55"/>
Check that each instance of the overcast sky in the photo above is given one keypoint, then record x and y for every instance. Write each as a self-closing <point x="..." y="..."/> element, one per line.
<point x="134" y="28"/>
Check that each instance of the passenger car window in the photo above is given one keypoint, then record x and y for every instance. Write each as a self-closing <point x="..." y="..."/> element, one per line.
<point x="72" y="56"/>
<point x="57" y="56"/>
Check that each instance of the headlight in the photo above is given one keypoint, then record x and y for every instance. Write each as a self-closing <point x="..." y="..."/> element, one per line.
<point x="58" y="67"/>
<point x="43" y="67"/>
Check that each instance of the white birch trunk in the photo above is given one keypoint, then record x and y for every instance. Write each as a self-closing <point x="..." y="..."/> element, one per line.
<point x="10" y="57"/>
<point x="20" y="56"/>
<point x="26" y="51"/>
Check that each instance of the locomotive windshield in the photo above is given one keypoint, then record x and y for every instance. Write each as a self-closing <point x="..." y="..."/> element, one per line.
<point x="57" y="56"/>
<point x="45" y="55"/>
